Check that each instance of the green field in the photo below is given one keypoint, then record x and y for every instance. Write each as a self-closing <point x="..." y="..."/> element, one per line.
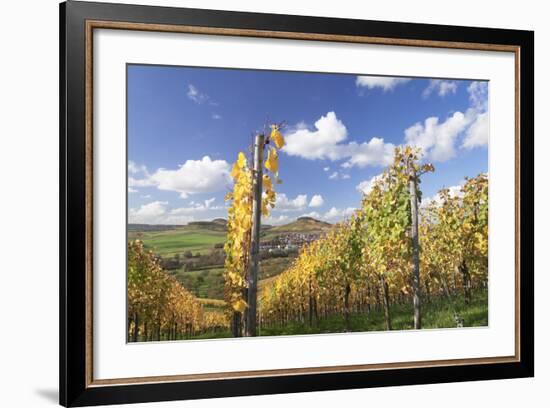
<point x="200" y="238"/>
<point x="177" y="241"/>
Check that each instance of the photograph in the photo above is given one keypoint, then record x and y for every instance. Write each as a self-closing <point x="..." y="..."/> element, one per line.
<point x="280" y="203"/>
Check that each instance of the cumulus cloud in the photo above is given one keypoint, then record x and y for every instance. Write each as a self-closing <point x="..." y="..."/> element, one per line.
<point x="325" y="142"/>
<point x="132" y="190"/>
<point x="147" y="213"/>
<point x="478" y="91"/>
<point x="386" y="83"/>
<point x="157" y="212"/>
<point x="134" y="168"/>
<point x="437" y="140"/>
<point x="283" y="203"/>
<point x="194" y="208"/>
<point x="194" y="176"/>
<point x="319" y="143"/>
<point x="441" y="87"/>
<point x="338" y="214"/>
<point x="316" y="201"/>
<point x="478" y="133"/>
<point x="215" y="116"/>
<point x="366" y="186"/>
<point x="332" y="215"/>
<point x="280" y="220"/>
<point x="454" y="191"/>
<point x="375" y="152"/>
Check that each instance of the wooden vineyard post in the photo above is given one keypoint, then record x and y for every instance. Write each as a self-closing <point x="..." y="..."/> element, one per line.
<point x="415" y="250"/>
<point x="255" y="236"/>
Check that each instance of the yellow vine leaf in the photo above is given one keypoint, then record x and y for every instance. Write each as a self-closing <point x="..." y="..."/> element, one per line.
<point x="272" y="162"/>
<point x="241" y="161"/>
<point x="240" y="306"/>
<point x="277" y="137"/>
<point x="267" y="184"/>
<point x="235" y="171"/>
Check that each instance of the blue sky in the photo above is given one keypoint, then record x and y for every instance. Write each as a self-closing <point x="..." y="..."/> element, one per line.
<point x="187" y="125"/>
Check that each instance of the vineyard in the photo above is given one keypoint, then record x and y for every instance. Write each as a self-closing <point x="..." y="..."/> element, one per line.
<point x="398" y="262"/>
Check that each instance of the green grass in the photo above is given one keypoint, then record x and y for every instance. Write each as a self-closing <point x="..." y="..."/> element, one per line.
<point x="204" y="283"/>
<point x="437" y="314"/>
<point x="177" y="241"/>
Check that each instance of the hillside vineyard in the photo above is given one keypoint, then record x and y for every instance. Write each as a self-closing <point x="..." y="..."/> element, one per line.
<point x="398" y="262"/>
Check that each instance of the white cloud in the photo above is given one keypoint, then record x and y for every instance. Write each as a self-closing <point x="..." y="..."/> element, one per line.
<point x="386" y="83"/>
<point x="336" y="214"/>
<point x="324" y="142"/>
<point x="326" y="168"/>
<point x="338" y="175"/>
<point x="132" y="190"/>
<point x="478" y="133"/>
<point x="332" y="215"/>
<point x="194" y="176"/>
<point x="312" y="214"/>
<point x="283" y="203"/>
<point x="134" y="168"/>
<point x="478" y="91"/>
<point x="454" y="191"/>
<point x="373" y="153"/>
<point x="195" y="95"/>
<point x="215" y="116"/>
<point x="441" y="87"/>
<point x="366" y="185"/>
<point x="194" y="208"/>
<point x="437" y="140"/>
<point x="281" y="219"/>
<point x="155" y="213"/>
<point x="144" y="182"/>
<point x="321" y="143"/>
<point x="316" y="201"/>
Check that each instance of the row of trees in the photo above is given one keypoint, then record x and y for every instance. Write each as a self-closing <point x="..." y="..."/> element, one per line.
<point x="159" y="307"/>
<point x="389" y="251"/>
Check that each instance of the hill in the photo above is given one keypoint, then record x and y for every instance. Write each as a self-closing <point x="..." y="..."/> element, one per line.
<point x="301" y="225"/>
<point x="203" y="236"/>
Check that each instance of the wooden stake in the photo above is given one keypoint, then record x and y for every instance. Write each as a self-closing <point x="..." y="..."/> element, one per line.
<point x="255" y="236"/>
<point x="415" y="249"/>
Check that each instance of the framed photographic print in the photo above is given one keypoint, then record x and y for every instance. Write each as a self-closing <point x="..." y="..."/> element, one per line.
<point x="255" y="203"/>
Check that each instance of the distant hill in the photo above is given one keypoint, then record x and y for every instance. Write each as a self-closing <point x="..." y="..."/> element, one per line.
<point x="218" y="224"/>
<point x="151" y="227"/>
<point x="302" y="224"/>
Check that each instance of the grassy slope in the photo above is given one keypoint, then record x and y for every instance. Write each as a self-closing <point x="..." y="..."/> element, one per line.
<point x="436" y="315"/>
<point x="201" y="238"/>
<point x="304" y="224"/>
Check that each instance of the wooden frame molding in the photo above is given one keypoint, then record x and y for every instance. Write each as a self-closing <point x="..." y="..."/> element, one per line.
<point x="98" y="24"/>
